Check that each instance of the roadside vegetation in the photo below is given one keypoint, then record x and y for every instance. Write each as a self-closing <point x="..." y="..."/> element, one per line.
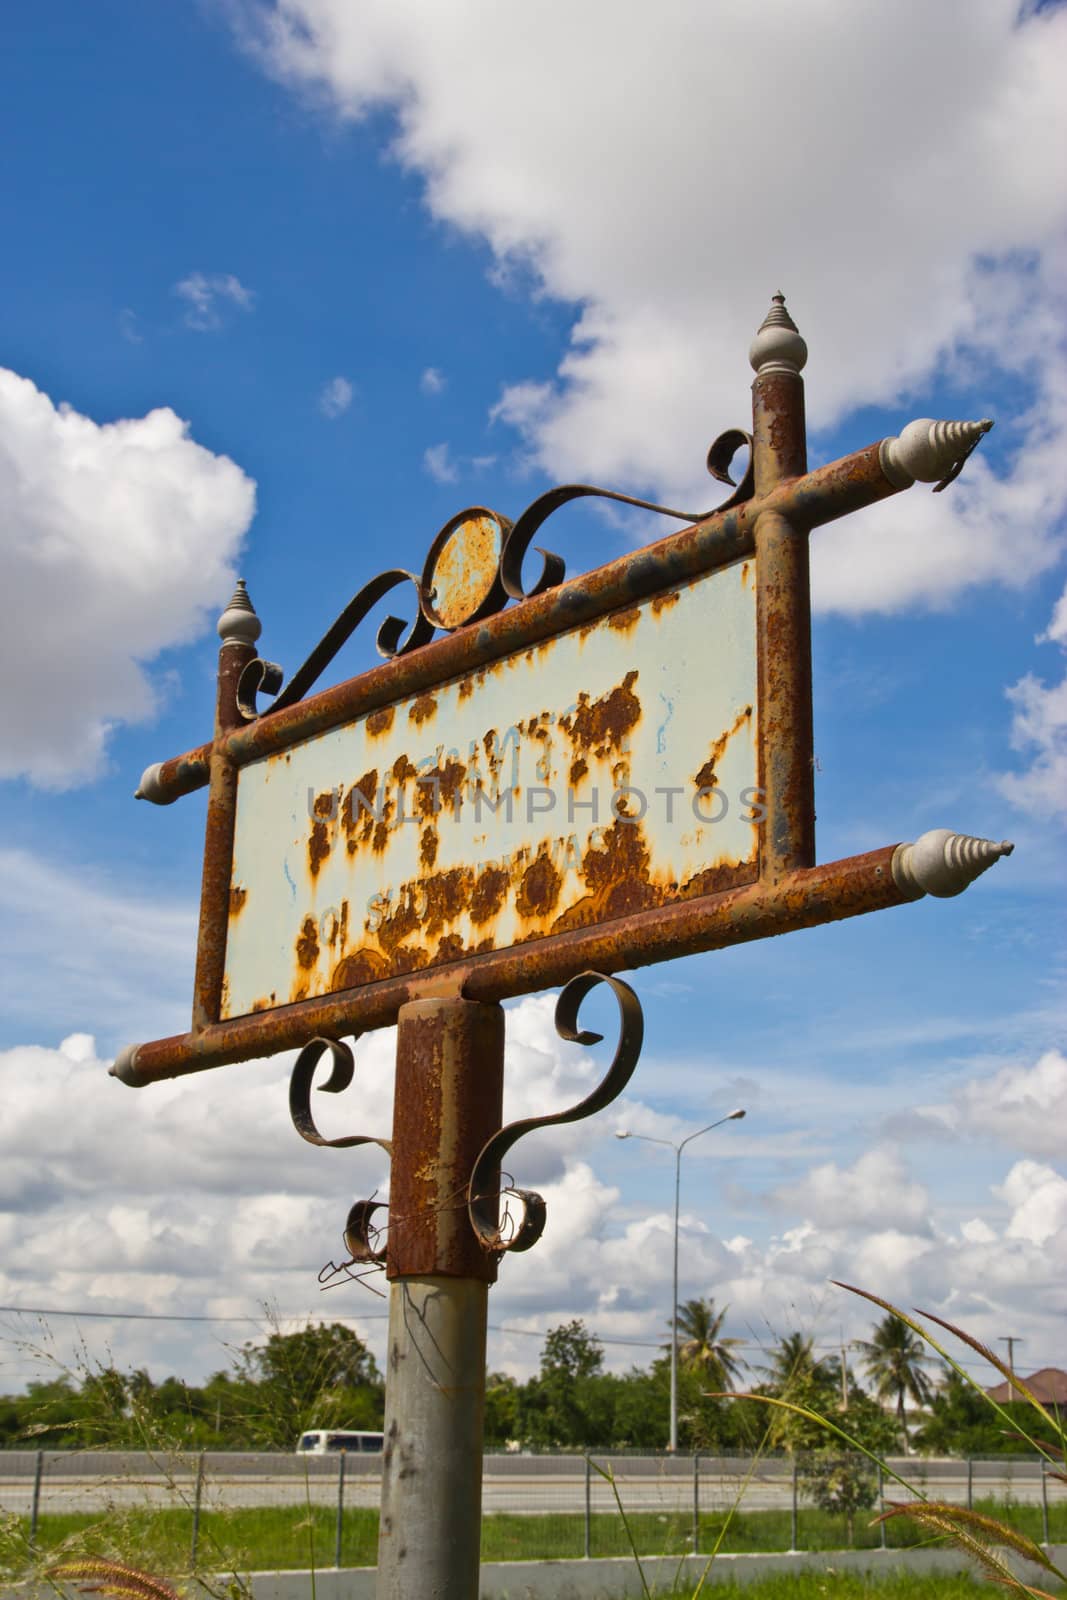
<point x="324" y="1376"/>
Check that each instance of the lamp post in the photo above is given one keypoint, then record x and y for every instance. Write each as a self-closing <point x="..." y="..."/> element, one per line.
<point x="625" y="1133"/>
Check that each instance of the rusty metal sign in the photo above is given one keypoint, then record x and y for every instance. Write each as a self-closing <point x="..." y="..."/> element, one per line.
<point x="540" y="778"/>
<point x="610" y="771"/>
<point x="607" y="770"/>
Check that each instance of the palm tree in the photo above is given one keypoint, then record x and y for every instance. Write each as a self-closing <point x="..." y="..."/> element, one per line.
<point x="893" y="1360"/>
<point x="702" y="1348"/>
<point x="792" y="1362"/>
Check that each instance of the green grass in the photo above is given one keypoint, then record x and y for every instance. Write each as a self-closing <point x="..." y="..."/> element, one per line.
<point x="831" y="1585"/>
<point x="299" y="1537"/>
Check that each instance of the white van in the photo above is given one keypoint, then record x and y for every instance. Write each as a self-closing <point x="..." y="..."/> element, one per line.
<point x="326" y="1441"/>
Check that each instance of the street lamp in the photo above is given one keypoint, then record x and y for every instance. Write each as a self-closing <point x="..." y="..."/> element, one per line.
<point x="625" y="1133"/>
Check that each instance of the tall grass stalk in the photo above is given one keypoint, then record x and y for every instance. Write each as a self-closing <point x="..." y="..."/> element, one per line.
<point x="977" y="1535"/>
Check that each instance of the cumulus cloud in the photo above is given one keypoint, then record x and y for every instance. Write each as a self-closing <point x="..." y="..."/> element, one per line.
<point x="433" y="381"/>
<point x="1038" y="1198"/>
<point x="127" y="531"/>
<point x="439" y="464"/>
<point x="1022" y="1107"/>
<point x="207" y="294"/>
<point x="877" y="1189"/>
<point x="657" y="233"/>
<point x="1039" y="731"/>
<point x="335" y="398"/>
<point x="147" y="1204"/>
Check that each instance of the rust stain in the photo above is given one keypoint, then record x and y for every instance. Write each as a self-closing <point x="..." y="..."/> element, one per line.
<point x="440" y="787"/>
<point x="318" y="846"/>
<point x="624" y="621"/>
<point x="579" y="768"/>
<point x="357" y="816"/>
<point x="705" y="778"/>
<point x="466" y="688"/>
<point x="602" y="725"/>
<point x="423" y="709"/>
<point x="238" y="896"/>
<point x="307" y="945"/>
<point x="398" y="926"/>
<point x="490" y="891"/>
<point x="447" y="895"/>
<point x="664" y="602"/>
<point x="713" y="880"/>
<point x="362" y="966"/>
<point x="746" y="573"/>
<point x="379" y="722"/>
<point x="428" y="848"/>
<point x="342" y="932"/>
<point x="617" y="875"/>
<point x="538" y="892"/>
<point x="465" y="573"/>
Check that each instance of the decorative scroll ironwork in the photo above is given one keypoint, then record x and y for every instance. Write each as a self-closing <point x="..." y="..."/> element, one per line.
<point x="361" y="1233"/>
<point x="361" y="1237"/>
<point x="341" y="1073"/>
<point x="473" y="566"/>
<point x="484" y="1189"/>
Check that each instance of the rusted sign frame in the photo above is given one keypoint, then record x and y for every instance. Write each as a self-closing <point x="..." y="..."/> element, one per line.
<point x="766" y="522"/>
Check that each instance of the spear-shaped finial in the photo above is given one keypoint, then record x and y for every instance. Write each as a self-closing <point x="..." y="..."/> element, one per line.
<point x="777" y="347"/>
<point x="927" y="450"/>
<point x="239" y="623"/>
<point x="943" y="863"/>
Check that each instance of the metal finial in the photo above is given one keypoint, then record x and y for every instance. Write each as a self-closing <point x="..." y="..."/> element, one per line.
<point x="239" y="623"/>
<point x="927" y="450"/>
<point x="943" y="863"/>
<point x="778" y="346"/>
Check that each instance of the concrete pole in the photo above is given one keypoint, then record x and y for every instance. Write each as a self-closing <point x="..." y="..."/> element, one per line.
<point x="673" y="1444"/>
<point x="449" y="1082"/>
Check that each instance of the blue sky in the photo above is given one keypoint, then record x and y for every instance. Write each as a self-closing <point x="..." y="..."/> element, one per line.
<point x="286" y="286"/>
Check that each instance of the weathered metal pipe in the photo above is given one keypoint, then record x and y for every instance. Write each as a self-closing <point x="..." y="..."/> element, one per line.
<point x="802" y="899"/>
<point x="448" y="1102"/>
<point x="238" y="628"/>
<point x="783" y="602"/>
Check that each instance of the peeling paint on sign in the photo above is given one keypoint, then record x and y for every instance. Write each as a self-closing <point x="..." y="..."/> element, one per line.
<point x="608" y="770"/>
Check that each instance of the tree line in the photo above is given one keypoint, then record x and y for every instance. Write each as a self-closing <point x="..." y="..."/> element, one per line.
<point x="324" y="1376"/>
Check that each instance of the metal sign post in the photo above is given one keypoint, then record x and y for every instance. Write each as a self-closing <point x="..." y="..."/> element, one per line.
<point x="614" y="770"/>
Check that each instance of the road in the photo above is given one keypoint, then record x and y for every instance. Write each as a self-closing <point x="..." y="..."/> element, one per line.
<point x="531" y="1486"/>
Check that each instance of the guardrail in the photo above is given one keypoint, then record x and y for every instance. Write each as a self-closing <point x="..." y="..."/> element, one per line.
<point x="534" y="1506"/>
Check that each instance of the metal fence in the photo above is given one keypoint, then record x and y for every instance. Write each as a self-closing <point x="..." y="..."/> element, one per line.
<point x="534" y="1506"/>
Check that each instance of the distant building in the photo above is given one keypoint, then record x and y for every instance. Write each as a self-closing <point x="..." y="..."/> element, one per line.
<point x="1048" y="1384"/>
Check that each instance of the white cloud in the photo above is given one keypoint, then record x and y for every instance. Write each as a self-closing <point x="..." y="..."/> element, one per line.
<point x="147" y="1203"/>
<point x="433" y="381"/>
<point x="877" y="1189"/>
<point x="907" y="242"/>
<point x="1039" y="730"/>
<point x="335" y="398"/>
<point x="1038" y="1197"/>
<point x="205" y="294"/>
<point x="439" y="464"/>
<point x="126" y="531"/>
<point x="128" y="326"/>
<point x="1022" y="1107"/>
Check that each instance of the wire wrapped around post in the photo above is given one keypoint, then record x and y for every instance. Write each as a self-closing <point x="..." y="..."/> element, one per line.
<point x="484" y="1184"/>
